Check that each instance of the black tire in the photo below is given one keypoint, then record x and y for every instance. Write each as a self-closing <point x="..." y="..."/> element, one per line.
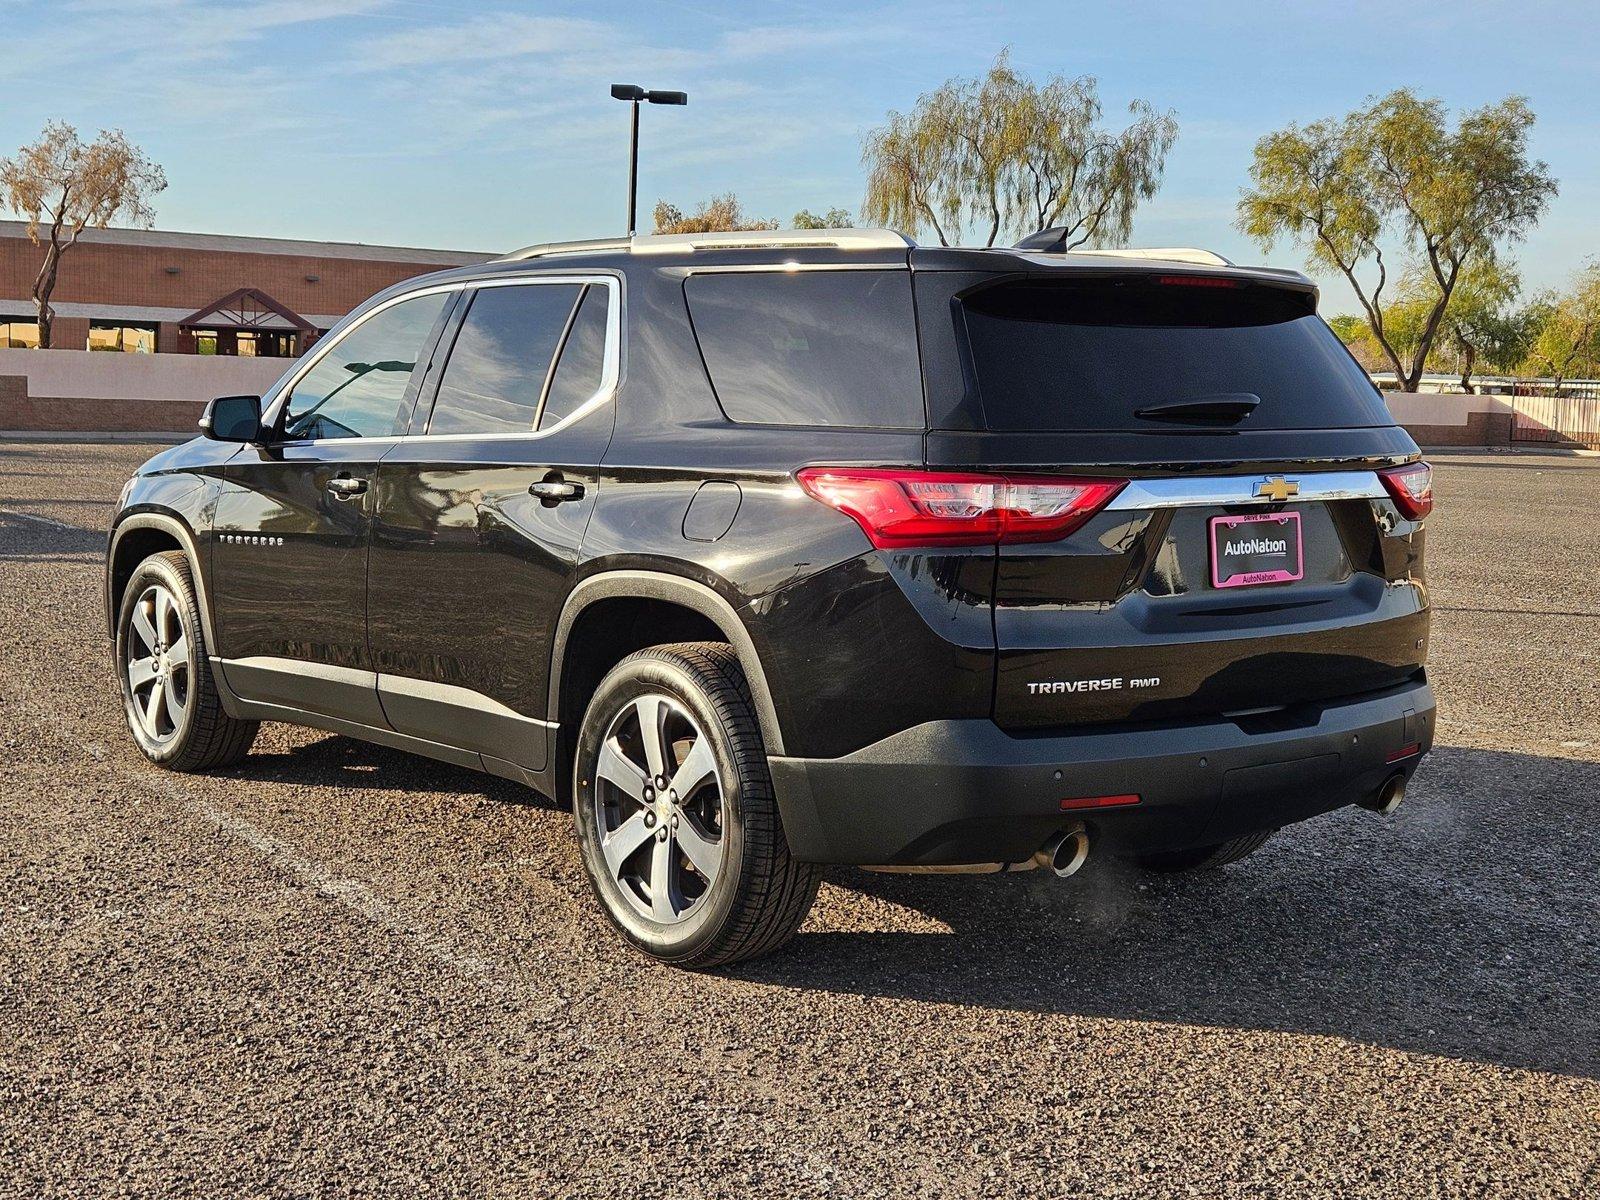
<point x="759" y="894"/>
<point x="1205" y="858"/>
<point x="203" y="737"/>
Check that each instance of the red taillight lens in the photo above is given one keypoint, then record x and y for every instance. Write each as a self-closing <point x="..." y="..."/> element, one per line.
<point x="1412" y="489"/>
<point x="937" y="508"/>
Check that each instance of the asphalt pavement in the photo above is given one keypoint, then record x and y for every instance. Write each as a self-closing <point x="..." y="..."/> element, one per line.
<point x="341" y="970"/>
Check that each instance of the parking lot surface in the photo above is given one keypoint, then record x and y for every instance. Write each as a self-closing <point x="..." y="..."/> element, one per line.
<point x="341" y="970"/>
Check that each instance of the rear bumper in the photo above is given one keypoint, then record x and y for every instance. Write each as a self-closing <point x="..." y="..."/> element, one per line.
<point x="965" y="791"/>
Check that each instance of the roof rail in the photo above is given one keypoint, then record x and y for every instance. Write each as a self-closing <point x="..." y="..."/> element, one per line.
<point x="545" y="249"/>
<point x="761" y="239"/>
<point x="754" y="239"/>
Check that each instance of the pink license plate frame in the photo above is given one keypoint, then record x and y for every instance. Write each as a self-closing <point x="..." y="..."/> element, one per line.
<point x="1256" y="578"/>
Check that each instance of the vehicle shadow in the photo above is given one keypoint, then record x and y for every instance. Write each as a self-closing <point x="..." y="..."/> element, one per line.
<point x="1465" y="925"/>
<point x="342" y="762"/>
<point x="29" y="540"/>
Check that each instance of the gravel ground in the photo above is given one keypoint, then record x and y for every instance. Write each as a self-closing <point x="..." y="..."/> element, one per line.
<point x="340" y="970"/>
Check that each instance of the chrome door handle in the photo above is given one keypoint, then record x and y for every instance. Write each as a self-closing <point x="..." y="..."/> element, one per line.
<point x="554" y="491"/>
<point x="345" y="489"/>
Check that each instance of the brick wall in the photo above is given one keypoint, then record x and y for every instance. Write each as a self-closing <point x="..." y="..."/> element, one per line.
<point x="58" y="414"/>
<point x="185" y="272"/>
<point x="78" y="390"/>
<point x="1481" y="429"/>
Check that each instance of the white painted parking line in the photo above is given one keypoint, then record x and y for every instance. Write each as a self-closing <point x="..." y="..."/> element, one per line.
<point x="352" y="894"/>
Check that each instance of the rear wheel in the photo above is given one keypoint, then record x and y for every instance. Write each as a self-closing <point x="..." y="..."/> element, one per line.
<point x="168" y="694"/>
<point x="675" y="813"/>
<point x="1205" y="858"/>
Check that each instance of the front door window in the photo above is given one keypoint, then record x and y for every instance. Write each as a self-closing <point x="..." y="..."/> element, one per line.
<point x="359" y="388"/>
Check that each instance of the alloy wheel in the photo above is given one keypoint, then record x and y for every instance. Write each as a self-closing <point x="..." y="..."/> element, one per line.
<point x="659" y="808"/>
<point x="159" y="673"/>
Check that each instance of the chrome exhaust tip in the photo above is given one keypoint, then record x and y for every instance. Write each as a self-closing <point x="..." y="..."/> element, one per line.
<point x="1387" y="798"/>
<point x="1064" y="853"/>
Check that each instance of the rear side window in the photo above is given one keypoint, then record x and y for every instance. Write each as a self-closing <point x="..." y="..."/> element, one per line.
<point x="1091" y="355"/>
<point x="581" y="366"/>
<point x="810" y="347"/>
<point x="501" y="358"/>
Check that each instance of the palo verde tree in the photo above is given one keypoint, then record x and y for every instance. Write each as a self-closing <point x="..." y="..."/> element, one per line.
<point x="62" y="187"/>
<point x="1005" y="155"/>
<point x="1566" y="341"/>
<point x="1395" y="176"/>
<point x="1481" y="329"/>
<point x="834" y="218"/>
<point x="720" y="214"/>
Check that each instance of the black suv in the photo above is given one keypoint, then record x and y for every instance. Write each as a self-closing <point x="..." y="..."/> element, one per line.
<point x="772" y="550"/>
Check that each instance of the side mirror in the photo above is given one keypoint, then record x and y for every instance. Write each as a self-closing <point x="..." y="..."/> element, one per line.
<point x="232" y="419"/>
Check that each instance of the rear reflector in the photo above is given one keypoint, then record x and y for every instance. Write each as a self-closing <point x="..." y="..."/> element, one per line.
<point x="1410" y="751"/>
<point x="1411" y="486"/>
<point x="940" y="508"/>
<point x="1098" y="802"/>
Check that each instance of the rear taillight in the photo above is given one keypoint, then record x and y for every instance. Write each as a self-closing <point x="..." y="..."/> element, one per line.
<point x="1411" y="486"/>
<point x="938" y="508"/>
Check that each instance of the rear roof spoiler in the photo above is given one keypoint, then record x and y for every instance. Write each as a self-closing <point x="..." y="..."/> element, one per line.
<point x="1054" y="241"/>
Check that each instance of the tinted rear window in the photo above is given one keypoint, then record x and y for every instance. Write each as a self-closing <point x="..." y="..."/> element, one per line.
<point x="502" y="354"/>
<point x="1089" y="355"/>
<point x="810" y="347"/>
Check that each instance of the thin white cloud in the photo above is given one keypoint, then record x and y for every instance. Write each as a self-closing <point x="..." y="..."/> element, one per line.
<point x="482" y="39"/>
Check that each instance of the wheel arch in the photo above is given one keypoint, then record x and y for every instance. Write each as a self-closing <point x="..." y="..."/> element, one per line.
<point x="707" y="612"/>
<point x="134" y="539"/>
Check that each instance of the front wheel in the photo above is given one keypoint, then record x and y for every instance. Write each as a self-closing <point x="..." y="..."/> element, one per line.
<point x="675" y="814"/>
<point x="168" y="694"/>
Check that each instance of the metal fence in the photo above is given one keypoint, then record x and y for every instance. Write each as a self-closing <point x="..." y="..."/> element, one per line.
<point x="1571" y="418"/>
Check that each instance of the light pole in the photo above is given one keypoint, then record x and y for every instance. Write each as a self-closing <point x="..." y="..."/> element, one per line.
<point x="637" y="95"/>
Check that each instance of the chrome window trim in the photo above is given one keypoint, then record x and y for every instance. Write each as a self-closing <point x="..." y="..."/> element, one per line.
<point x="610" y="370"/>
<point x="1187" y="492"/>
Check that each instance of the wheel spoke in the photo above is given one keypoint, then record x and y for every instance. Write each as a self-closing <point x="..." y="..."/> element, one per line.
<point x="142" y="627"/>
<point x="705" y="854"/>
<point x="140" y="672"/>
<point x="698" y="766"/>
<point x="614" y="767"/>
<point x="664" y="900"/>
<point x="163" y="613"/>
<point x="178" y="652"/>
<point x="622" y="841"/>
<point x="652" y="711"/>
<point x="153" y="707"/>
<point x="176" y="708"/>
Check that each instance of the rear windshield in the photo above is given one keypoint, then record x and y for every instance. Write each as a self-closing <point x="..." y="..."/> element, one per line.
<point x="810" y="347"/>
<point x="1095" y="354"/>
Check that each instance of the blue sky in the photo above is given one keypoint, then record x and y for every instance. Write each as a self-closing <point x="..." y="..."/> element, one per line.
<point x="488" y="125"/>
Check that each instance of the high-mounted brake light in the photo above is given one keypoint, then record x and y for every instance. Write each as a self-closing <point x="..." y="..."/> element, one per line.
<point x="1210" y="281"/>
<point x="1411" y="486"/>
<point x="940" y="508"/>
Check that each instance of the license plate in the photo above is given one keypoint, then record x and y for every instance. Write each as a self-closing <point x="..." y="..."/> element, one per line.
<point x="1260" y="548"/>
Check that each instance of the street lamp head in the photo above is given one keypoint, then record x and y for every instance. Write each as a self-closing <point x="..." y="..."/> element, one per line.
<point x="667" y="97"/>
<point x="628" y="91"/>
